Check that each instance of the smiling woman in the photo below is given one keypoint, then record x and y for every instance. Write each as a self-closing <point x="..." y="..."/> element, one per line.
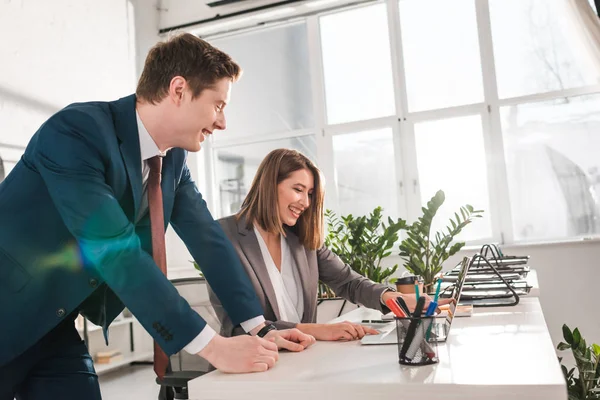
<point x="278" y="235"/>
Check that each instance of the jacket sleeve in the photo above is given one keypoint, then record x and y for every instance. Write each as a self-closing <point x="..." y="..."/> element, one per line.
<point x="347" y="283"/>
<point x="213" y="252"/>
<point x="228" y="329"/>
<point x="71" y="160"/>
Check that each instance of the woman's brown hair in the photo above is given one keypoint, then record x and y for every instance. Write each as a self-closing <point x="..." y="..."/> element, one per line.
<point x="260" y="205"/>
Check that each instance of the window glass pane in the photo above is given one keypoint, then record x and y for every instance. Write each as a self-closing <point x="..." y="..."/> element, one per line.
<point x="274" y="93"/>
<point x="451" y="157"/>
<point x="357" y="64"/>
<point x="551" y="151"/>
<point x="236" y="166"/>
<point x="365" y="172"/>
<point x="540" y="46"/>
<point x="441" y="53"/>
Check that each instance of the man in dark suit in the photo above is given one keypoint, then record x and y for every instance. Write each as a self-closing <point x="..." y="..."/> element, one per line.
<point x="76" y="237"/>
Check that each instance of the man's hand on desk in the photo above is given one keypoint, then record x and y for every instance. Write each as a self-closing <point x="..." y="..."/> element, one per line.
<point x="290" y="339"/>
<point x="340" y="331"/>
<point x="240" y="354"/>
<point x="411" y="300"/>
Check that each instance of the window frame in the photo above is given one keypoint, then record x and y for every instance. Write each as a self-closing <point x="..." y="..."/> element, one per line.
<point x="403" y="123"/>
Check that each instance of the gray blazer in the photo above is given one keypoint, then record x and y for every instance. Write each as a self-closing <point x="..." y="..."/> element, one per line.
<point x="313" y="265"/>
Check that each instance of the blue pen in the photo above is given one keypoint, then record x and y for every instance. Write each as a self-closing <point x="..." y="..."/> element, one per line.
<point x="432" y="307"/>
<point x="417" y="289"/>
<point x="437" y="291"/>
<point x="433" y="304"/>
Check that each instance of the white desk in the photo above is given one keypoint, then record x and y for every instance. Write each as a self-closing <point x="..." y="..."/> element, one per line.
<point x="532" y="280"/>
<point x="498" y="353"/>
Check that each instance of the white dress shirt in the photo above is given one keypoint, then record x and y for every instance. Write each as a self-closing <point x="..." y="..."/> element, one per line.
<point x="149" y="149"/>
<point x="286" y="284"/>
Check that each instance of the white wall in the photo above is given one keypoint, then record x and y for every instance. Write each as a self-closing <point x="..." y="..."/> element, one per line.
<point x="57" y="52"/>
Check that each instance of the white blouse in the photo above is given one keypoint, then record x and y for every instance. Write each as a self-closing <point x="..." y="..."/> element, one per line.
<point x="286" y="284"/>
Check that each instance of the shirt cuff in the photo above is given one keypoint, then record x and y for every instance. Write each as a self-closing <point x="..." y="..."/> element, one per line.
<point x="200" y="341"/>
<point x="252" y="323"/>
<point x="388" y="289"/>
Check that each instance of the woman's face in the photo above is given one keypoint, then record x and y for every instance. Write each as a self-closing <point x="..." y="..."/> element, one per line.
<point x="294" y="195"/>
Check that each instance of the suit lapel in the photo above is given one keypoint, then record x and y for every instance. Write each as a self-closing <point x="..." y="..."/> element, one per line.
<point x="127" y="131"/>
<point x="309" y="289"/>
<point x="249" y="245"/>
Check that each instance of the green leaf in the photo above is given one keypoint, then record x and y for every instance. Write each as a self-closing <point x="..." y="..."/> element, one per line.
<point x="576" y="337"/>
<point x="563" y="346"/>
<point x="568" y="336"/>
<point x="596" y="349"/>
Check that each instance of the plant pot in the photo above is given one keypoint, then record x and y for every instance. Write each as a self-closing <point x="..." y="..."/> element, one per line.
<point x="430" y="289"/>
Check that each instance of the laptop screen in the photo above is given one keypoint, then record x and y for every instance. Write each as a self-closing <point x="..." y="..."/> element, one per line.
<point x="457" y="289"/>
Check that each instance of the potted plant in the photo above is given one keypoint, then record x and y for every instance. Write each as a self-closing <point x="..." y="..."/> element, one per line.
<point x="585" y="385"/>
<point x="424" y="253"/>
<point x="362" y="243"/>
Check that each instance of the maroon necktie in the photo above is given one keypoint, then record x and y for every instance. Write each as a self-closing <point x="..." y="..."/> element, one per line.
<point x="159" y="252"/>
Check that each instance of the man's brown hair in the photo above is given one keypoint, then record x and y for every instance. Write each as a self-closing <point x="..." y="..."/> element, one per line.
<point x="260" y="205"/>
<point x="188" y="56"/>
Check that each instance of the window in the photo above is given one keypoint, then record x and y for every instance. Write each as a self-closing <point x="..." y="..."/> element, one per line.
<point x="451" y="157"/>
<point x="357" y="64"/>
<point x="237" y="165"/>
<point x="274" y="94"/>
<point x="365" y="172"/>
<point x="539" y="47"/>
<point x="441" y="53"/>
<point x="524" y="150"/>
<point x="553" y="167"/>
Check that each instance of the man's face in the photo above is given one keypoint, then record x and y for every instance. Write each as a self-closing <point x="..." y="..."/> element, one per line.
<point x="199" y="117"/>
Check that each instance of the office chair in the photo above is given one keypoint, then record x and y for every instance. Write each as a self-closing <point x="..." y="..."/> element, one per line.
<point x="183" y="366"/>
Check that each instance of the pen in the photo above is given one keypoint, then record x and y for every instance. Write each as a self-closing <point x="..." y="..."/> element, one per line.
<point x="417" y="289"/>
<point x="432" y="308"/>
<point x="412" y="328"/>
<point x="403" y="306"/>
<point x="437" y="291"/>
<point x="433" y="305"/>
<point x="419" y="307"/>
<point x="417" y="340"/>
<point x="393" y="306"/>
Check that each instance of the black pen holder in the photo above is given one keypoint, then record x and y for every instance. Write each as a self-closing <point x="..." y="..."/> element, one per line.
<point x="417" y="340"/>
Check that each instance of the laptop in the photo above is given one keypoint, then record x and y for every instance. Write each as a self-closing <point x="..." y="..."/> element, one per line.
<point x="442" y="326"/>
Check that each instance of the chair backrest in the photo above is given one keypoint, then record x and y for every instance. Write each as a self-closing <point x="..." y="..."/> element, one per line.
<point x="195" y="291"/>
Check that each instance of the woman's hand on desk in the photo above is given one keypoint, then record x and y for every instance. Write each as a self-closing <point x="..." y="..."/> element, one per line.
<point x="290" y="339"/>
<point x="411" y="300"/>
<point x="340" y="331"/>
<point x="240" y="354"/>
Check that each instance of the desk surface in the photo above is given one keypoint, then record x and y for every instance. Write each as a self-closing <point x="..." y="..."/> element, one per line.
<point x="498" y="353"/>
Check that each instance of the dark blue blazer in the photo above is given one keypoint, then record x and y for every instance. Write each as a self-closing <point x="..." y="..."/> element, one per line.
<point x="69" y="241"/>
